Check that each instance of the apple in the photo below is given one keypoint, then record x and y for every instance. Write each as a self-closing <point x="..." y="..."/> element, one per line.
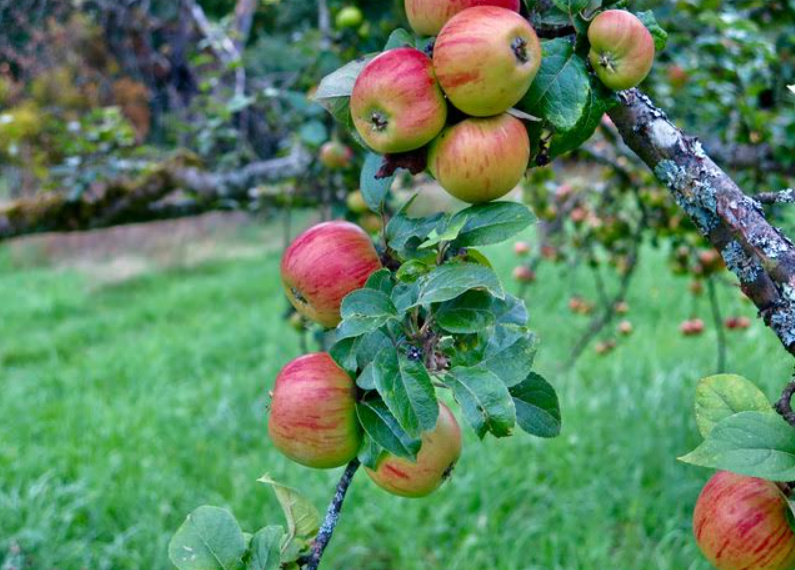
<point x="524" y="274"/>
<point x="355" y="202"/>
<point x="313" y="412"/>
<point x="440" y="451"/>
<point x="480" y="159"/>
<point x="371" y="223"/>
<point x="692" y="327"/>
<point x="324" y="264"/>
<point x="677" y="77"/>
<point x="622" y="49"/>
<point x="740" y="523"/>
<point x="335" y="155"/>
<point x="625" y="328"/>
<point x="605" y="347"/>
<point x="521" y="248"/>
<point x="397" y="104"/>
<point x="349" y="17"/>
<point x="622" y="307"/>
<point x="485" y="58"/>
<point x="427" y="17"/>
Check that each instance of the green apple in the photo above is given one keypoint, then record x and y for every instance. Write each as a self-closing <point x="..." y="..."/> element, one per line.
<point x="622" y="49"/>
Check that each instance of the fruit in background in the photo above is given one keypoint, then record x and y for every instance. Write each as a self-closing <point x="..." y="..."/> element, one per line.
<point x="622" y="49"/>
<point x="578" y="215"/>
<point x="313" y="412"/>
<point x="440" y="451"/>
<point x="550" y="253"/>
<point x="696" y="287"/>
<point x="324" y="264"/>
<point x="605" y="347"/>
<point x="625" y="328"/>
<point x="692" y="327"/>
<point x="355" y="202"/>
<point x="622" y="308"/>
<point x="485" y="59"/>
<point x="521" y="248"/>
<point x="427" y="17"/>
<point x="737" y="323"/>
<point x="349" y="17"/>
<point x="580" y="306"/>
<point x="371" y="223"/>
<point x="524" y="274"/>
<point x="397" y="104"/>
<point x="710" y="261"/>
<point x="740" y="523"/>
<point x="335" y="155"/>
<point x="677" y="77"/>
<point x="479" y="160"/>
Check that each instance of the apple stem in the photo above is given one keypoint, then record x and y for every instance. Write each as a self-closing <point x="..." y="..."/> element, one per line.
<point x="379" y="121"/>
<point x="784" y="405"/>
<point x="332" y="517"/>
<point x="606" y="61"/>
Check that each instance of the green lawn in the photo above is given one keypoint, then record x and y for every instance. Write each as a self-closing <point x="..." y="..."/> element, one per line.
<point x="125" y="406"/>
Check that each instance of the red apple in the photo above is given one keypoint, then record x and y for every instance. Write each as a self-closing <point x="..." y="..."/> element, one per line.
<point x="521" y="248"/>
<point x="524" y="274"/>
<point x="427" y="17"/>
<point x="396" y="104"/>
<point x="335" y="155"/>
<point x="622" y="49"/>
<point x="740" y="523"/>
<point x="485" y="59"/>
<point x="313" y="413"/>
<point x="692" y="327"/>
<point x="324" y="264"/>
<point x="440" y="451"/>
<point x="478" y="160"/>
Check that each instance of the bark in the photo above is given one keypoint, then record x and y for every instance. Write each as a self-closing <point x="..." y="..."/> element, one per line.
<point x="760" y="255"/>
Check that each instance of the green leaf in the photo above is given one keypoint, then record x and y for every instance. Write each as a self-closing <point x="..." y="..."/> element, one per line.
<point x="264" y="552"/>
<point x="405" y="295"/>
<point x="381" y="280"/>
<point x="453" y="279"/>
<point x="509" y="311"/>
<point x="599" y="101"/>
<point x="660" y="35"/>
<point x="403" y="232"/>
<point x="374" y="190"/>
<point x="756" y="444"/>
<point x="467" y="314"/>
<point x="484" y="399"/>
<point x="509" y="354"/>
<point x="447" y="232"/>
<point x="209" y="539"/>
<point x="340" y="82"/>
<point x="369" y="452"/>
<point x="492" y="223"/>
<point x="412" y="270"/>
<point x="559" y="92"/>
<point x="537" y="406"/>
<point x="303" y="520"/>
<point x="399" y="38"/>
<point x="723" y="395"/>
<point x="382" y="427"/>
<point x="364" y="311"/>
<point x="571" y="6"/>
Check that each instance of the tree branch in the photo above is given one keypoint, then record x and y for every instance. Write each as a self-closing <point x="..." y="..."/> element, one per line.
<point x="756" y="252"/>
<point x="786" y="196"/>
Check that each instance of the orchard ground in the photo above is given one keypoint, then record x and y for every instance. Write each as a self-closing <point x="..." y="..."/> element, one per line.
<point x="134" y="388"/>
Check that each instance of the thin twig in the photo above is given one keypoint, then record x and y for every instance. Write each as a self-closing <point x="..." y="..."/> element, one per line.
<point x="786" y="196"/>
<point x="332" y="517"/>
<point x="716" y="317"/>
<point x="784" y="405"/>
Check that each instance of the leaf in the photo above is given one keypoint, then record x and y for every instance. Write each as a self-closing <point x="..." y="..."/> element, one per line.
<point x="467" y="314"/>
<point x="303" y="520"/>
<point x="405" y="295"/>
<point x="510" y="311"/>
<point x="756" y="444"/>
<point x="571" y="6"/>
<point x="374" y="190"/>
<point x="369" y="452"/>
<point x="209" y="539"/>
<point x="313" y="133"/>
<point x="510" y="354"/>
<point x="265" y="549"/>
<point x="364" y="311"/>
<point x="412" y="270"/>
<point x="453" y="279"/>
<point x="599" y="101"/>
<point x="340" y="82"/>
<point x="399" y="38"/>
<point x="559" y="92"/>
<point x="537" y="406"/>
<point x="403" y="232"/>
<point x="382" y="427"/>
<point x="380" y="280"/>
<point x="484" y="399"/>
<point x="447" y="232"/>
<point x="723" y="395"/>
<point x="659" y="35"/>
<point x="492" y="223"/>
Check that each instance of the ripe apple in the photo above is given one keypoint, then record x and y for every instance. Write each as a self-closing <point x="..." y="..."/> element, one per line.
<point x="335" y="155"/>
<point x="692" y="327"/>
<point x="355" y="202"/>
<point x="480" y="159"/>
<point x="740" y="523"/>
<point x="427" y="17"/>
<point x="521" y="248"/>
<point x="485" y="58"/>
<point x="324" y="264"/>
<point x="622" y="49"/>
<point x="524" y="274"/>
<point x="397" y="104"/>
<point x="440" y="450"/>
<point x="313" y="412"/>
<point x="349" y="17"/>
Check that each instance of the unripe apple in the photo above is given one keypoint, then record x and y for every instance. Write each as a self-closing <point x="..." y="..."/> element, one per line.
<point x="371" y="223"/>
<point x="479" y="160"/>
<point x="427" y="17"/>
<point x="521" y="248"/>
<point x="349" y="17"/>
<point x="313" y="412"/>
<point x="524" y="274"/>
<point x="440" y="450"/>
<point x="740" y="523"/>
<point x="625" y="328"/>
<point x="355" y="202"/>
<point x="397" y="104"/>
<point x="622" y="49"/>
<point x="335" y="155"/>
<point x="485" y="59"/>
<point x="324" y="264"/>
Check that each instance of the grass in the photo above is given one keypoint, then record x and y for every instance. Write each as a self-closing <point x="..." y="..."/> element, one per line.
<point x="126" y="406"/>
